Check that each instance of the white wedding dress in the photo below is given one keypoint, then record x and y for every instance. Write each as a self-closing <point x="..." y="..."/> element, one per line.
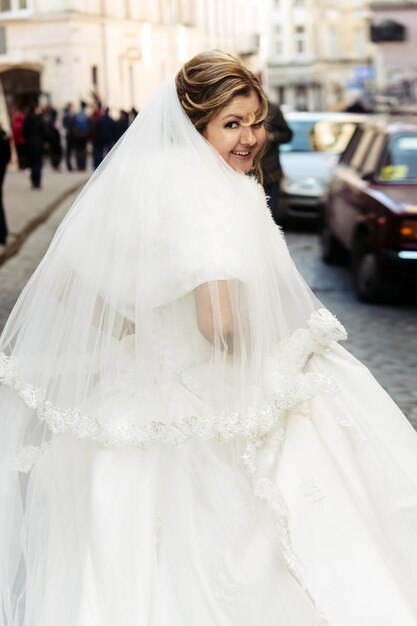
<point x="149" y="478"/>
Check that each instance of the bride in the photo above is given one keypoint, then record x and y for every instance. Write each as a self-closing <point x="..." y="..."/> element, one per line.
<point x="182" y="440"/>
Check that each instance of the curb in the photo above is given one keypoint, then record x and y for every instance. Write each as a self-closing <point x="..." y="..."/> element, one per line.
<point x="19" y="239"/>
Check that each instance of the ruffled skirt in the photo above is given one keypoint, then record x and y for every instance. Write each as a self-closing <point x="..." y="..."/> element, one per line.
<point x="315" y="525"/>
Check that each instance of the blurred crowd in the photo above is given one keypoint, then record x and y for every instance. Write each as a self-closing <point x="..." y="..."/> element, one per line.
<point x="70" y="135"/>
<point x="78" y="137"/>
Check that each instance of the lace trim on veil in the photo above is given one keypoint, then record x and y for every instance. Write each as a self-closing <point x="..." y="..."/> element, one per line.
<point x="292" y="388"/>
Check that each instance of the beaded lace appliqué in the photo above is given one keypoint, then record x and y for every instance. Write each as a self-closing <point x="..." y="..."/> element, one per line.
<point x="311" y="489"/>
<point x="226" y="589"/>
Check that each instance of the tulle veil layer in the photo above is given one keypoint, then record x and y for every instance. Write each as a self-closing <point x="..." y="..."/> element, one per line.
<point x="105" y="365"/>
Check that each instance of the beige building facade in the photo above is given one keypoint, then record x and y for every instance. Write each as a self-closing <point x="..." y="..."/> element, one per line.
<point x="67" y="50"/>
<point x="317" y="52"/>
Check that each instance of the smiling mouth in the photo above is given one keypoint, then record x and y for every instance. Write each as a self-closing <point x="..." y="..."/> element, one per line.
<point x="242" y="153"/>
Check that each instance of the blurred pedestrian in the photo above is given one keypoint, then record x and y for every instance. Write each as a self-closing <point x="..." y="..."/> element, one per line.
<point x="122" y="124"/>
<point x="96" y="144"/>
<point x="277" y="132"/>
<point x="19" y="139"/>
<point x="34" y="133"/>
<point x="133" y="114"/>
<point x="80" y="129"/>
<point x="105" y="136"/>
<point x="53" y="136"/>
<point x="5" y="154"/>
<point x="67" y="115"/>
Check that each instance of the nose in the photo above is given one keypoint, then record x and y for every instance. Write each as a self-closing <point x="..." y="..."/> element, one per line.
<point x="247" y="136"/>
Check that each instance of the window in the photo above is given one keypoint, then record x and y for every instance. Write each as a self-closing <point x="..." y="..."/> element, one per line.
<point x="12" y="8"/>
<point x="372" y="158"/>
<point x="300" y="41"/>
<point x="312" y="135"/>
<point x="351" y="147"/>
<point x="400" y="159"/>
<point x="94" y="76"/>
<point x="331" y="136"/>
<point x="362" y="148"/>
<point x="300" y="97"/>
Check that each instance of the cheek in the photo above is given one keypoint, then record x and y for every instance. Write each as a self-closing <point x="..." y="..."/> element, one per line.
<point x="216" y="138"/>
<point x="224" y="143"/>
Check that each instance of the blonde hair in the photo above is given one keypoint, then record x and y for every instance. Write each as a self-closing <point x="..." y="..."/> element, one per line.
<point x="209" y="81"/>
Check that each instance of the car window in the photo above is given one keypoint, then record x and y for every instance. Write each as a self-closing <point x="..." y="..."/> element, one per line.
<point x="373" y="156"/>
<point x="330" y="136"/>
<point x="400" y="159"/>
<point x="350" y="148"/>
<point x="362" y="148"/>
<point x="319" y="136"/>
<point x="300" y="141"/>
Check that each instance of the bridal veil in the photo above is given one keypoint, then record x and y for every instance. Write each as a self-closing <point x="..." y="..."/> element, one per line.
<point x="103" y="352"/>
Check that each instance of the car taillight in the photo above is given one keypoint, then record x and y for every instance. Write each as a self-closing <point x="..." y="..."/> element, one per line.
<point x="408" y="229"/>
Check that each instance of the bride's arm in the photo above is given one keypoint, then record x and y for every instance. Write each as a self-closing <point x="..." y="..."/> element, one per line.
<point x="105" y="317"/>
<point x="215" y="314"/>
<point x="109" y="320"/>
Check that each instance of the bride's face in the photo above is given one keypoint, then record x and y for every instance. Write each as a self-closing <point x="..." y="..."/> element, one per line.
<point x="234" y="135"/>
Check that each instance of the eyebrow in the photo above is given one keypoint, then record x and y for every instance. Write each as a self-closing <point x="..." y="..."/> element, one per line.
<point x="239" y="117"/>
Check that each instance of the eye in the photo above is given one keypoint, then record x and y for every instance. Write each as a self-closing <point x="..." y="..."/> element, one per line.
<point x="232" y="125"/>
<point x="257" y="125"/>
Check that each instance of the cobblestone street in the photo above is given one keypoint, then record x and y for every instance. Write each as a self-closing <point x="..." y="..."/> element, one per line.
<point x="383" y="337"/>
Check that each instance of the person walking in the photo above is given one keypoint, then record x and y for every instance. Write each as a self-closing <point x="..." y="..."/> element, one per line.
<point x="35" y="136"/>
<point x="80" y="129"/>
<point x="53" y="136"/>
<point x="96" y="115"/>
<point x="122" y="124"/>
<point x="19" y="139"/>
<point x="104" y="136"/>
<point x="67" y="115"/>
<point x="5" y="154"/>
<point x="277" y="133"/>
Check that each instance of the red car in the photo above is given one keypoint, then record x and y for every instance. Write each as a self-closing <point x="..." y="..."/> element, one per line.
<point x="370" y="210"/>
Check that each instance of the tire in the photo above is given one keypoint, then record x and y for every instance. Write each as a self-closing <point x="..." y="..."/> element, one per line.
<point x="369" y="282"/>
<point x="332" y="251"/>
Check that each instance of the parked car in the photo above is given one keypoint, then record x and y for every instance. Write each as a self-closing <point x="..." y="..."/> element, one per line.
<point x="370" y="210"/>
<point x="308" y="160"/>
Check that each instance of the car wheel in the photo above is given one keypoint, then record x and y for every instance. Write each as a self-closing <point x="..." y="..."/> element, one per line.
<point x="369" y="283"/>
<point x="332" y="250"/>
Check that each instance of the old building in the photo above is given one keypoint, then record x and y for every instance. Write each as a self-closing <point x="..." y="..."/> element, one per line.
<point x="67" y="50"/>
<point x="317" y="52"/>
<point x="394" y="32"/>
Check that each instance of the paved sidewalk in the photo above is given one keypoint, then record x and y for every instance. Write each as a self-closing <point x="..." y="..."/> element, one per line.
<point x="27" y="208"/>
